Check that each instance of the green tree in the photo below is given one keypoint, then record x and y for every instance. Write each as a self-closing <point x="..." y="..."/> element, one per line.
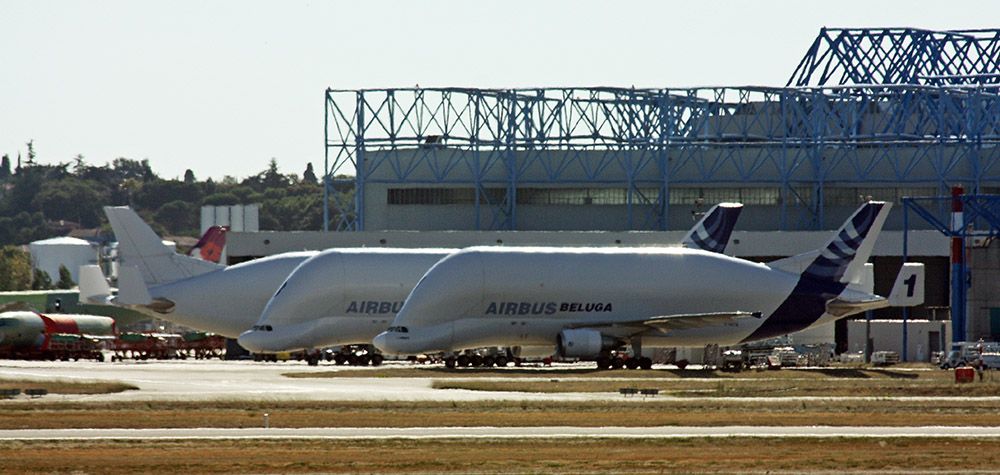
<point x="221" y="199"/>
<point x="41" y="280"/>
<point x="65" y="278"/>
<point x="135" y="169"/>
<point x="189" y="176"/>
<point x="5" y="167"/>
<point x="79" y="165"/>
<point x="15" y="269"/>
<point x="309" y="175"/>
<point x="31" y="153"/>
<point x="156" y="193"/>
<point x="178" y="217"/>
<point x="71" y="199"/>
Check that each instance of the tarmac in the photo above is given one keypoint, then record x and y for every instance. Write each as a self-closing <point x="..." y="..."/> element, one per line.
<point x="500" y="433"/>
<point x="214" y="380"/>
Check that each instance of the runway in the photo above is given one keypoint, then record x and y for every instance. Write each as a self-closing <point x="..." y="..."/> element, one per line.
<point x="500" y="432"/>
<point x="255" y="381"/>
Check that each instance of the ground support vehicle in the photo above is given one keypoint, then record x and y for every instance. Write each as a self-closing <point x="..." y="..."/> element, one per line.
<point x="201" y="345"/>
<point x="144" y="346"/>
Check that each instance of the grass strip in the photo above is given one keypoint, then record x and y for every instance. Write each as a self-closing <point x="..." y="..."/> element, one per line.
<point x="67" y="387"/>
<point x="702" y="455"/>
<point x="632" y="412"/>
<point x="826" y="387"/>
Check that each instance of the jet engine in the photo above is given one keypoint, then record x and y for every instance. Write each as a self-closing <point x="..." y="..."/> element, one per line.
<point x="584" y="343"/>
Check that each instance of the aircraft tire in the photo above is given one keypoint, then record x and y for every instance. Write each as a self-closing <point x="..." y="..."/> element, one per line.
<point x="488" y="361"/>
<point x="463" y="361"/>
<point x="450" y="362"/>
<point x="476" y="361"/>
<point x="632" y="363"/>
<point x="501" y="361"/>
<point x="617" y="363"/>
<point x="339" y="359"/>
<point x="603" y="362"/>
<point x="646" y="363"/>
<point x="377" y="359"/>
<point x="363" y="360"/>
<point x="682" y="364"/>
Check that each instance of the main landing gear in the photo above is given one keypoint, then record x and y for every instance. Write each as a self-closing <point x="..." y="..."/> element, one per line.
<point x="476" y="361"/>
<point x="623" y="361"/>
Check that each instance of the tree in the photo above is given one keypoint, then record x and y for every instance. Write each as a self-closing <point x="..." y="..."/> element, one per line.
<point x="139" y="170"/>
<point x="156" y="193"/>
<point x="79" y="166"/>
<point x="309" y="175"/>
<point x="270" y="178"/>
<point x="15" y="269"/>
<point x="65" y="278"/>
<point x="31" y="153"/>
<point x="41" y="280"/>
<point x="177" y="216"/>
<point x="189" y="176"/>
<point x="71" y="199"/>
<point x="5" y="167"/>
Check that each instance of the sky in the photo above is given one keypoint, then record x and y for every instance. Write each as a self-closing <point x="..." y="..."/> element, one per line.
<point x="221" y="87"/>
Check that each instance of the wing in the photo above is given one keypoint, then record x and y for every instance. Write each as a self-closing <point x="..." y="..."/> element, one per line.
<point x="681" y="321"/>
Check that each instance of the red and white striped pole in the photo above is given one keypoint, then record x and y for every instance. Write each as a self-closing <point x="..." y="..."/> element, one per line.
<point x="957" y="266"/>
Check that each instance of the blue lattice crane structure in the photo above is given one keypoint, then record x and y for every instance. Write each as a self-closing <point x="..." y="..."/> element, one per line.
<point x="860" y="56"/>
<point x="913" y="108"/>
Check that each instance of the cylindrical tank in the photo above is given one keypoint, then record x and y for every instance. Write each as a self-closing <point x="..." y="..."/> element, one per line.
<point x="30" y="329"/>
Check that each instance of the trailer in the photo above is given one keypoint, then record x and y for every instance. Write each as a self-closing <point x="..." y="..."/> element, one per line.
<point x="144" y="346"/>
<point x="201" y="345"/>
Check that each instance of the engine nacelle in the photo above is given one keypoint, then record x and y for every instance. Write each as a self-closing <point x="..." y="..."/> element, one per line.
<point x="584" y="343"/>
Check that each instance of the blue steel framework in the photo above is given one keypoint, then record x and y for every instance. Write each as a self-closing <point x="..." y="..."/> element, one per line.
<point x="783" y="137"/>
<point x="980" y="218"/>
<point x="900" y="56"/>
<point x="921" y="104"/>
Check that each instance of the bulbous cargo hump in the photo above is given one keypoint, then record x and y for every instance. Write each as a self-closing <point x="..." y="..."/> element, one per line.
<point x="566" y="282"/>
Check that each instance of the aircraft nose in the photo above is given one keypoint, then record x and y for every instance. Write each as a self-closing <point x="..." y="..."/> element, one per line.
<point x="253" y="340"/>
<point x="383" y="341"/>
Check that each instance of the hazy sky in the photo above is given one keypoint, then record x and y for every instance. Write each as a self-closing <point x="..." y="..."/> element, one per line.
<point x="222" y="86"/>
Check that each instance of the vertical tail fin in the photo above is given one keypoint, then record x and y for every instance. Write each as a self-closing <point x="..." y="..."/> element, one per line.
<point x="712" y="232"/>
<point x="211" y="244"/>
<point x="140" y="247"/>
<point x="844" y="256"/>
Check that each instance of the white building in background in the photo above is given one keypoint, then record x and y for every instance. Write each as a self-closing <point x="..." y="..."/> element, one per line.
<point x="240" y="218"/>
<point x="924" y="337"/>
<point x="48" y="254"/>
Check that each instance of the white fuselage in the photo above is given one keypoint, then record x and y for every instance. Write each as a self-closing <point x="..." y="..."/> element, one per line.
<point x="339" y="297"/>
<point x="526" y="296"/>
<point x="229" y="300"/>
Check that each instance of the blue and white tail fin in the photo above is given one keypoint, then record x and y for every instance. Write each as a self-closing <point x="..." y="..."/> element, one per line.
<point x="712" y="232"/>
<point x="842" y="259"/>
<point x="844" y="256"/>
<point x="140" y="247"/>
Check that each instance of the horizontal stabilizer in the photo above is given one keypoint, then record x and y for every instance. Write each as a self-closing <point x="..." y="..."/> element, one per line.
<point x="94" y="287"/>
<point x="908" y="290"/>
<point x="840" y="306"/>
<point x="697" y="320"/>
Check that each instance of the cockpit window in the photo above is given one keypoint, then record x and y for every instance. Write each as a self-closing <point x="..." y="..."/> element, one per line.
<point x="264" y="328"/>
<point x="398" y="330"/>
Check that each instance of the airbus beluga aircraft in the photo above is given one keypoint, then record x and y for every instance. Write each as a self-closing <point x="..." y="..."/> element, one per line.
<point x="586" y="302"/>
<point x="192" y="292"/>
<point x="345" y="296"/>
